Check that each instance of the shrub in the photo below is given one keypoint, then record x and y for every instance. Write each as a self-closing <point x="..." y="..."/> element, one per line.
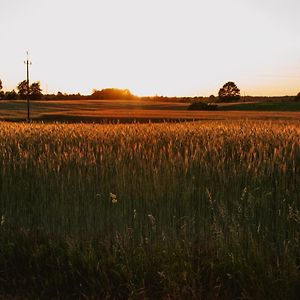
<point x="202" y="106"/>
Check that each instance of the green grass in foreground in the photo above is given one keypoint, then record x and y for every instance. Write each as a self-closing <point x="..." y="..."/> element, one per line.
<point x="150" y="211"/>
<point x="263" y="106"/>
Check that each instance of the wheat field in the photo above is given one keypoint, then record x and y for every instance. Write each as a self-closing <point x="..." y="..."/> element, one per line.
<point x="197" y="210"/>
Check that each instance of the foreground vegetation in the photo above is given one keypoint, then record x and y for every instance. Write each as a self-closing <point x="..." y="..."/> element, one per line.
<point x="204" y="210"/>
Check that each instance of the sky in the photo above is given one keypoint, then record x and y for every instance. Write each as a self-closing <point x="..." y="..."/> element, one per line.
<point x="152" y="47"/>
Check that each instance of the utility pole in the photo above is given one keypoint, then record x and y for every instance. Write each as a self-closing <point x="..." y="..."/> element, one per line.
<point x="27" y="63"/>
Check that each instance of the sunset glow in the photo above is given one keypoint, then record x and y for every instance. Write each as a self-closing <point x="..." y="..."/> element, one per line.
<point x="165" y="47"/>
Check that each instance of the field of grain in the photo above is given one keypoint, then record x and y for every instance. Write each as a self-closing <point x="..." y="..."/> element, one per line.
<point x="198" y="210"/>
<point x="128" y="111"/>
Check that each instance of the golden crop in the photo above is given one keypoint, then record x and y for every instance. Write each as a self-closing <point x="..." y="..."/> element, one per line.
<point x="64" y="177"/>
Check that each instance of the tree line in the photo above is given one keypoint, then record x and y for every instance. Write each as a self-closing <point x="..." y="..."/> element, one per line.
<point x="229" y="92"/>
<point x="33" y="91"/>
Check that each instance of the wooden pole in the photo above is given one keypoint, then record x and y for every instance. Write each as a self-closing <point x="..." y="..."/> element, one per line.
<point x="27" y="62"/>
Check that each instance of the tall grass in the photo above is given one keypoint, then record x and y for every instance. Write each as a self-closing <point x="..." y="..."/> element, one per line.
<point x="204" y="210"/>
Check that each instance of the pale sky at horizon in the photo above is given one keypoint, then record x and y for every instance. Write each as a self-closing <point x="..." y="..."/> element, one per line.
<point x="164" y="47"/>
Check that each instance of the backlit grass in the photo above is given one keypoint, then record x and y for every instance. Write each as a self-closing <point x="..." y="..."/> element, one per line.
<point x="206" y="210"/>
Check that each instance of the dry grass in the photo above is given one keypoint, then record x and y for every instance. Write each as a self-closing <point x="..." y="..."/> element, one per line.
<point x="198" y="210"/>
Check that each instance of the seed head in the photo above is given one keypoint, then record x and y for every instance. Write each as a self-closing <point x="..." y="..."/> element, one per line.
<point x="151" y="219"/>
<point x="113" y="198"/>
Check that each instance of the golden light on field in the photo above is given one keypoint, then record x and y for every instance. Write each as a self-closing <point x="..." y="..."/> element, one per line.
<point x="167" y="47"/>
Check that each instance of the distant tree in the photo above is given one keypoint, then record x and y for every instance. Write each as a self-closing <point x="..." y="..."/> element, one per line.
<point x="35" y="91"/>
<point x="297" y="98"/>
<point x="59" y="95"/>
<point x="229" y="92"/>
<point x="212" y="98"/>
<point x="1" y="92"/>
<point x="10" y="95"/>
<point x="112" y="93"/>
<point x="22" y="89"/>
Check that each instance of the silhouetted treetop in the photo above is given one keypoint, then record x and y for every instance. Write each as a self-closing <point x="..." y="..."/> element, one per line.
<point x="10" y="95"/>
<point x="1" y="92"/>
<point x="35" y="91"/>
<point x="112" y="93"/>
<point x="22" y="89"/>
<point x="229" y="92"/>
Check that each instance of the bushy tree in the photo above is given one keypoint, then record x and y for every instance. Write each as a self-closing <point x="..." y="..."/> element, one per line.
<point x="297" y="98"/>
<point x="35" y="91"/>
<point x="112" y="93"/>
<point x="10" y="95"/>
<point x="212" y="98"/>
<point x="229" y="92"/>
<point x="22" y="89"/>
<point x="1" y="92"/>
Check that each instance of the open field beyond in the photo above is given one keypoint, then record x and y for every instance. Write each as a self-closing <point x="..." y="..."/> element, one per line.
<point x="198" y="210"/>
<point x="124" y="111"/>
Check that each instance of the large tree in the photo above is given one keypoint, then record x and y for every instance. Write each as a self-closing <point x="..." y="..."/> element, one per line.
<point x="34" y="91"/>
<point x="112" y="93"/>
<point x="1" y="92"/>
<point x="229" y="92"/>
<point x="22" y="89"/>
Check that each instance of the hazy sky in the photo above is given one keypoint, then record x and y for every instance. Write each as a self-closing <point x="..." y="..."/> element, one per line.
<point x="165" y="47"/>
